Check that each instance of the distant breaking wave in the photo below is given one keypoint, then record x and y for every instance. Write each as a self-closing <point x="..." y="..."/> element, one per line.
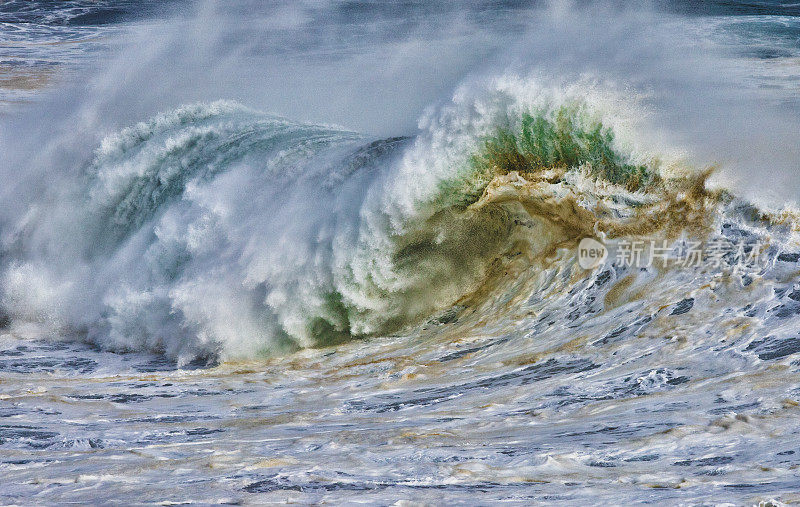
<point x="215" y="231"/>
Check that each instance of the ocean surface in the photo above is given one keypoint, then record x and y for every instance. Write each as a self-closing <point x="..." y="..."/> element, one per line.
<point x="335" y="252"/>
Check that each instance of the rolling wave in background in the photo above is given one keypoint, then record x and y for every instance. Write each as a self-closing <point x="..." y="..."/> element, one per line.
<point x="384" y="266"/>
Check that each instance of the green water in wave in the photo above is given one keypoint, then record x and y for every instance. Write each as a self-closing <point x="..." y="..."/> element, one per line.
<point x="564" y="139"/>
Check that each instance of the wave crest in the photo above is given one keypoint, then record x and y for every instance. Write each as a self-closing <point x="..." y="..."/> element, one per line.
<point x="214" y="230"/>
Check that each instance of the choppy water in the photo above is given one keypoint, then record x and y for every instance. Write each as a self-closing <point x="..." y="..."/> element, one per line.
<point x="369" y="293"/>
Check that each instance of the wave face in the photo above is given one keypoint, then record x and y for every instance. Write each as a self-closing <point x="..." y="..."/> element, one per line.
<point x="181" y="233"/>
<point x="213" y="230"/>
<point x="216" y="231"/>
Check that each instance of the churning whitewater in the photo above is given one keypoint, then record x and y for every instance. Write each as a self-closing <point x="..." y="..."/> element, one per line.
<point x="267" y="308"/>
<point x="339" y="236"/>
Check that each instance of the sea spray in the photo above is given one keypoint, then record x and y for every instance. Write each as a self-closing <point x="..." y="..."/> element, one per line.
<point x="217" y="230"/>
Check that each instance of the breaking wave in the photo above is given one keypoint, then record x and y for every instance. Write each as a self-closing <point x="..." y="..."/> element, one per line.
<point x="216" y="231"/>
